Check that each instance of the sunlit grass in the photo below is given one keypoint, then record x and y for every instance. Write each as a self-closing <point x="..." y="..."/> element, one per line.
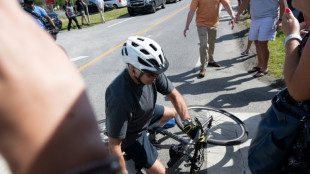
<point x="277" y="55"/>
<point x="95" y="18"/>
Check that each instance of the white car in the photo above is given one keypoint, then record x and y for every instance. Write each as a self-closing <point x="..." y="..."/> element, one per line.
<point x="113" y="4"/>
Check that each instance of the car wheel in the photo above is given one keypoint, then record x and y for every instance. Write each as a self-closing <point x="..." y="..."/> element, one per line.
<point x="115" y="6"/>
<point x="130" y="12"/>
<point x="164" y="4"/>
<point x="153" y="7"/>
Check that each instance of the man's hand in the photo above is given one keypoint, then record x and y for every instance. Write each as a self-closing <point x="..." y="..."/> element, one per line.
<point x="237" y="18"/>
<point x="191" y="130"/>
<point x="232" y="22"/>
<point x="185" y="32"/>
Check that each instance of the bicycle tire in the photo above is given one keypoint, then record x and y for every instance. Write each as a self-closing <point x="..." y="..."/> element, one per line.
<point x="226" y="129"/>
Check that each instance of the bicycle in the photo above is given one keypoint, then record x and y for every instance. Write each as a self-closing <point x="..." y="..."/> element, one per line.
<point x="220" y="128"/>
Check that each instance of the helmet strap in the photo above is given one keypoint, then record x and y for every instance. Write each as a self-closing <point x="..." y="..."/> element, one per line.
<point x="139" y="78"/>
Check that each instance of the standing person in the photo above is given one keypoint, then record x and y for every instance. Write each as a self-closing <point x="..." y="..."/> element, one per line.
<point x="72" y="16"/>
<point x="38" y="14"/>
<point x="64" y="8"/>
<point x="265" y="22"/>
<point x="100" y="6"/>
<point x="59" y="132"/>
<point x="131" y="106"/>
<point x="207" y="20"/>
<point x="80" y="7"/>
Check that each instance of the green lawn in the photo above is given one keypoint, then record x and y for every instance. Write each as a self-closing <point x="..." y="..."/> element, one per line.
<point x="96" y="19"/>
<point x="277" y="56"/>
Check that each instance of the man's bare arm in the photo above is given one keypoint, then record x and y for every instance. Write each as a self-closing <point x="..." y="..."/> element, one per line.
<point x="115" y="148"/>
<point x="179" y="104"/>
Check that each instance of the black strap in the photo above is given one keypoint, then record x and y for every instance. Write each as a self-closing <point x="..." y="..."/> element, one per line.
<point x="35" y="15"/>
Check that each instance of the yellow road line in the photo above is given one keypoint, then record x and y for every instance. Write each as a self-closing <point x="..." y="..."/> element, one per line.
<point x="108" y="52"/>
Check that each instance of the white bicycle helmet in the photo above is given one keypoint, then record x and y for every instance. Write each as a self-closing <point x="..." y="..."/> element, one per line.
<point x="144" y="54"/>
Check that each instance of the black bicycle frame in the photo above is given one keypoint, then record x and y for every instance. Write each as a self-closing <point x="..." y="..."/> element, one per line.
<point x="185" y="144"/>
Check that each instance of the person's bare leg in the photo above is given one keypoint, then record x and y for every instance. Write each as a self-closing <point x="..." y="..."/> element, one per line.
<point x="157" y="168"/>
<point x="264" y="50"/>
<point x="169" y="113"/>
<point x="249" y="45"/>
<point x="259" y="54"/>
<point x="85" y="19"/>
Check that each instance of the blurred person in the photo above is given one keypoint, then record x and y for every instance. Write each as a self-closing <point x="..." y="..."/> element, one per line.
<point x="38" y="14"/>
<point x="72" y="16"/>
<point x="131" y="107"/>
<point x="207" y="21"/>
<point x="64" y="8"/>
<point x="100" y="6"/>
<point x="47" y="125"/>
<point x="265" y="22"/>
<point x="80" y="6"/>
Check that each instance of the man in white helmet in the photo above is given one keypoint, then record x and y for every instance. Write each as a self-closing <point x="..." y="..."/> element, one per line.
<point x="131" y="106"/>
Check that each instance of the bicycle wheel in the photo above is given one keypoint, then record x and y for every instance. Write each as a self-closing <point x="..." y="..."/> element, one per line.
<point x="103" y="130"/>
<point x="226" y="129"/>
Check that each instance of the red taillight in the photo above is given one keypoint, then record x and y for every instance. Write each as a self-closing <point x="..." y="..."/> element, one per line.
<point x="120" y="1"/>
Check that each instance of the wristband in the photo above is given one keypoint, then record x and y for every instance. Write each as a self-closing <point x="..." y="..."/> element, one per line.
<point x="292" y="36"/>
<point x="233" y="17"/>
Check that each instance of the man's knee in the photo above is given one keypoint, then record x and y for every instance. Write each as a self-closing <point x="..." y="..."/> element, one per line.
<point x="157" y="168"/>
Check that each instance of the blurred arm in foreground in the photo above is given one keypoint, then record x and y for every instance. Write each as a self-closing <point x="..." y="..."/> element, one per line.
<point x="46" y="122"/>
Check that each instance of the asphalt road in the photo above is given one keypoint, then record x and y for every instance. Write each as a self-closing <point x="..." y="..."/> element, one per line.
<point x="96" y="52"/>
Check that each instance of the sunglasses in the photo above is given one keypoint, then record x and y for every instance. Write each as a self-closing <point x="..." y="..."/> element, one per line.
<point x="150" y="74"/>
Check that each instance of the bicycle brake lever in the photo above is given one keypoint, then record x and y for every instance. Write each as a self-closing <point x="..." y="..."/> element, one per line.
<point x="197" y="137"/>
<point x="198" y="123"/>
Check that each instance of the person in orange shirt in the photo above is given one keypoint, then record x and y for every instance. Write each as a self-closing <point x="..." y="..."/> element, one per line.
<point x="207" y="20"/>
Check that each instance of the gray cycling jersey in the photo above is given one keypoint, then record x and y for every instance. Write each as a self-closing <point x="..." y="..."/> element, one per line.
<point x="129" y="106"/>
<point x="264" y="8"/>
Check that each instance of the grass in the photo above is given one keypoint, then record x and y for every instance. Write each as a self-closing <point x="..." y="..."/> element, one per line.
<point x="277" y="56"/>
<point x="95" y="19"/>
